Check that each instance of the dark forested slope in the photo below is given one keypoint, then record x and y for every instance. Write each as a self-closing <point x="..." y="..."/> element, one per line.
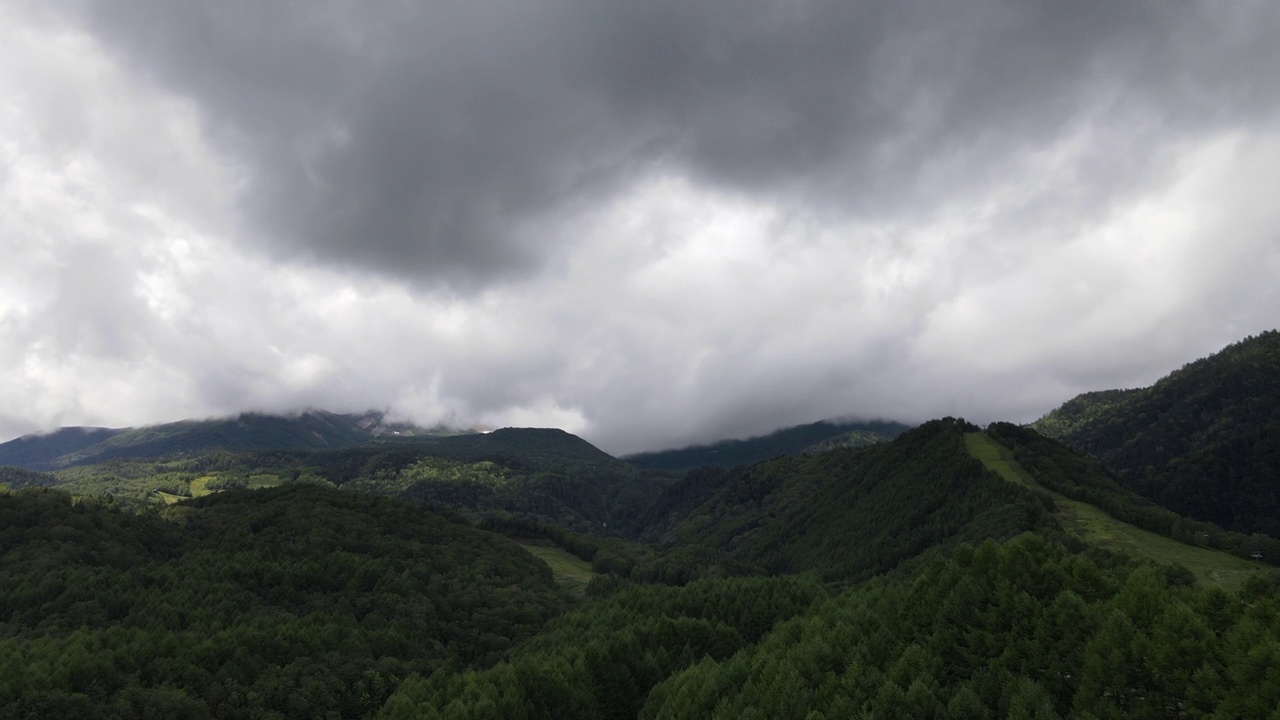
<point x="291" y="602"/>
<point x="848" y="513"/>
<point x="1203" y="441"/>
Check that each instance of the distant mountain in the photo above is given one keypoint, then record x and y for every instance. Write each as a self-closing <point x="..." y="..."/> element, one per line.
<point x="312" y="430"/>
<point x="536" y="474"/>
<point x="1203" y="441"/>
<point x="539" y="474"/>
<point x="814" y="437"/>
<point x="40" y="451"/>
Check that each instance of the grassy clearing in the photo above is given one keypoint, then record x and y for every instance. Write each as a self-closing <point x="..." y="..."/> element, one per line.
<point x="264" y="480"/>
<point x="170" y="498"/>
<point x="571" y="572"/>
<point x="200" y="486"/>
<point x="1098" y="528"/>
<point x="997" y="459"/>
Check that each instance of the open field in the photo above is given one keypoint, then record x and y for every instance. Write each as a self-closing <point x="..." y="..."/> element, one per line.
<point x="570" y="571"/>
<point x="264" y="480"/>
<point x="169" y="498"/>
<point x="1098" y="528"/>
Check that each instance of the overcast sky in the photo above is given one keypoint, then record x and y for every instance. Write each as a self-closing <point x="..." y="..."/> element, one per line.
<point x="650" y="223"/>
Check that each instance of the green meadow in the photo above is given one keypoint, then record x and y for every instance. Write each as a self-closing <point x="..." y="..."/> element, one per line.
<point x="1100" y="529"/>
<point x="570" y="572"/>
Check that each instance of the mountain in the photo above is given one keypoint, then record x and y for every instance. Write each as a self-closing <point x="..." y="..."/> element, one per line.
<point x="818" y="436"/>
<point x="1203" y="441"/>
<point x="41" y="451"/>
<point x="312" y="430"/>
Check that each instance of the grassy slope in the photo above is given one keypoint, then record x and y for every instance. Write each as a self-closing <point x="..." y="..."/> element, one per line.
<point x="1096" y="527"/>
<point x="571" y="572"/>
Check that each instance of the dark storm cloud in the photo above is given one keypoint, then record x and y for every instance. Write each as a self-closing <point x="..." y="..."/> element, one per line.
<point x="454" y="140"/>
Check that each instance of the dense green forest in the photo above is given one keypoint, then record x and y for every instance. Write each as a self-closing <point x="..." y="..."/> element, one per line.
<point x="289" y="602"/>
<point x="1023" y="629"/>
<point x="326" y="567"/>
<point x="1203" y="441"/>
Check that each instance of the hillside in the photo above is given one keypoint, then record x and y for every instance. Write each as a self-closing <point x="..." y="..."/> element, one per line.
<point x="848" y="513"/>
<point x="818" y="436"/>
<point x="1203" y="441"/>
<point x="1092" y="507"/>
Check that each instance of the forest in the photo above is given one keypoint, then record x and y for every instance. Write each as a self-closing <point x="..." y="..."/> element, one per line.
<point x="948" y="571"/>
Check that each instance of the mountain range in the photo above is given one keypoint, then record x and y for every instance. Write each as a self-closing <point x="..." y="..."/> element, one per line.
<point x="1113" y="559"/>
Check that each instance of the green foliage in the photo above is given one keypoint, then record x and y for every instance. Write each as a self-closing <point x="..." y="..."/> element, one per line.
<point x="1020" y="630"/>
<point x="601" y="660"/>
<point x="292" y="602"/>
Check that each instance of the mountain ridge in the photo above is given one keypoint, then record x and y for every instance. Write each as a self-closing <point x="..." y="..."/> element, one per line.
<point x="792" y="440"/>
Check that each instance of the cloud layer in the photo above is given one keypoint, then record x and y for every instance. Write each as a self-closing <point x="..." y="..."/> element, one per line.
<point x="650" y="223"/>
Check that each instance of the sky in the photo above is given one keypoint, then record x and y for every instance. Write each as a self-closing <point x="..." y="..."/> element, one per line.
<point x="649" y="223"/>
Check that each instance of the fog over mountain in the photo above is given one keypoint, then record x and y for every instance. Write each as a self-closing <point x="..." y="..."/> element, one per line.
<point x="651" y="224"/>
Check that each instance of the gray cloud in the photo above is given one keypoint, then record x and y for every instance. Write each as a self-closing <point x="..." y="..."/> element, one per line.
<point x="652" y="223"/>
<point x="442" y="141"/>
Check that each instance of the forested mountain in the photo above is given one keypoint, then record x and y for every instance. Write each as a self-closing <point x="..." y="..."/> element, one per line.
<point x="849" y="513"/>
<point x="1203" y="441"/>
<point x="822" y="435"/>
